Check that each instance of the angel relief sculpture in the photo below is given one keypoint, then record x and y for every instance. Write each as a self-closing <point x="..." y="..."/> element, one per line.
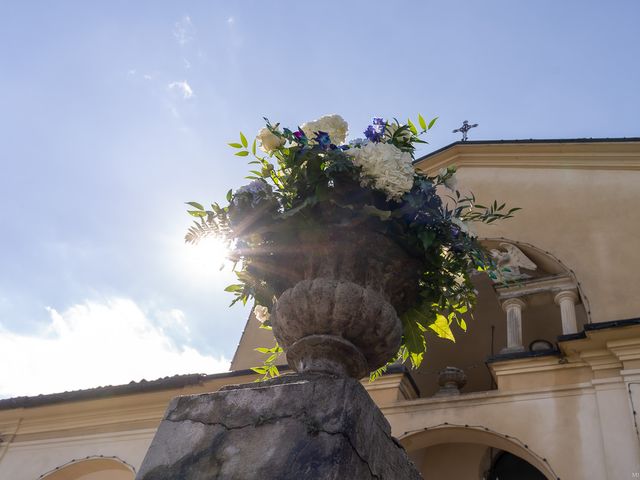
<point x="509" y="261"/>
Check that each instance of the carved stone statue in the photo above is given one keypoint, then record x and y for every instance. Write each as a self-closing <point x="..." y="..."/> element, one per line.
<point x="509" y="261"/>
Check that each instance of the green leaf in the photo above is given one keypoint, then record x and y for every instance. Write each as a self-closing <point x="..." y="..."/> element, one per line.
<point x="196" y="205"/>
<point x="442" y="328"/>
<point x="235" y="145"/>
<point x="229" y="195"/>
<point x="432" y="123"/>
<point x="423" y="124"/>
<point x="243" y="139"/>
<point x="412" y="127"/>
<point x="236" y="287"/>
<point x="414" y="340"/>
<point x="260" y="370"/>
<point x="262" y="350"/>
<point x="196" y="213"/>
<point x="253" y="147"/>
<point x="427" y="237"/>
<point x="243" y="153"/>
<point x="462" y="324"/>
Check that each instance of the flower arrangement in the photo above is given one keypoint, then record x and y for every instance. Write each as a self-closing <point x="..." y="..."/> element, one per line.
<point x="308" y="178"/>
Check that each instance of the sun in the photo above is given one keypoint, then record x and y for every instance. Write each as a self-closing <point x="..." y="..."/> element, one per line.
<point x="207" y="257"/>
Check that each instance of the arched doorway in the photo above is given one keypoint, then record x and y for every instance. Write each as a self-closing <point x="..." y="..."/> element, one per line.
<point x="473" y="452"/>
<point x="92" y="468"/>
<point x="508" y="466"/>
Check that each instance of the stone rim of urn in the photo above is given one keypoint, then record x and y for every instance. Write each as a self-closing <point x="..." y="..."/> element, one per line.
<point x="451" y="381"/>
<point x="342" y="316"/>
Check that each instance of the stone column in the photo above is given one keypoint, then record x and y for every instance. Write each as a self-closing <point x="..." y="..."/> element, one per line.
<point x="514" y="307"/>
<point x="567" y="301"/>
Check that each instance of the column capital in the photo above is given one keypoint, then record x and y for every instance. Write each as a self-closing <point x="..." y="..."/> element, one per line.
<point x="511" y="302"/>
<point x="566" y="294"/>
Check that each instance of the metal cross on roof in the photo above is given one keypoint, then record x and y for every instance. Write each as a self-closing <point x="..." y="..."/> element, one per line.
<point x="464" y="129"/>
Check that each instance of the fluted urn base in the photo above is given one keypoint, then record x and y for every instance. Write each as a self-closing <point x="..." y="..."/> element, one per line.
<point x="332" y="326"/>
<point x="347" y="288"/>
<point x="327" y="354"/>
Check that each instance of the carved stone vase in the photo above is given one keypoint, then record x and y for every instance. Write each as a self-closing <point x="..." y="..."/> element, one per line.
<point x="341" y="315"/>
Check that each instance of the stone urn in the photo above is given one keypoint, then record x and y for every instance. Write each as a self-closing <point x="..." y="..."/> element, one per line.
<point x="341" y="315"/>
<point x="451" y="381"/>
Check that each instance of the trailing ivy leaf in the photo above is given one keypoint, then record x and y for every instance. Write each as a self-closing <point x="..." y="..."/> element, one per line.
<point x="243" y="139"/>
<point x="442" y="328"/>
<point x="462" y="324"/>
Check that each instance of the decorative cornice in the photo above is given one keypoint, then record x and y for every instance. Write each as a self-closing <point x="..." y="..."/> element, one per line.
<point x="604" y="154"/>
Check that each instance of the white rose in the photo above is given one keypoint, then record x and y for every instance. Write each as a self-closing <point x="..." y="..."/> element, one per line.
<point x="268" y="141"/>
<point x="451" y="183"/>
<point x="334" y="125"/>
<point x="384" y="167"/>
<point x="261" y="313"/>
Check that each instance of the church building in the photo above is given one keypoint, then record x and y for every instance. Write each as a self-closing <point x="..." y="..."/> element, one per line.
<point x="545" y="383"/>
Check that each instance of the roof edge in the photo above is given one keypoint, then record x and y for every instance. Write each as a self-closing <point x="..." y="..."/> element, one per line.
<point x="527" y="141"/>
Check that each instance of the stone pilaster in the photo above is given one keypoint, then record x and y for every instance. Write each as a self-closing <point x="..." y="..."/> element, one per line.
<point x="567" y="299"/>
<point x="513" y="307"/>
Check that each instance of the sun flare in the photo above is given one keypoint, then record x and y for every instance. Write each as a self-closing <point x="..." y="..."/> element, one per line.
<point x="208" y="256"/>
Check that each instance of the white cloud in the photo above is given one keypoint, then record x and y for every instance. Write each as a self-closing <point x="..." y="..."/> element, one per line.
<point x="183" y="87"/>
<point x="93" y="344"/>
<point x="184" y="30"/>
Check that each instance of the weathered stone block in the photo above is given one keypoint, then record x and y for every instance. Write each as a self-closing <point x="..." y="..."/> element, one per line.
<point x="305" y="426"/>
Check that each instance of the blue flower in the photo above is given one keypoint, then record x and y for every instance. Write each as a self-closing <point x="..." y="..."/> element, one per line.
<point x="323" y="140"/>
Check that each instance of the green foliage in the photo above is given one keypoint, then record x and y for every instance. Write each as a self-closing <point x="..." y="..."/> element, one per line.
<point x="301" y="187"/>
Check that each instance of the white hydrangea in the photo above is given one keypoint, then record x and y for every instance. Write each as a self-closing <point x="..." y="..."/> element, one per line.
<point x="261" y="313"/>
<point x="384" y="167"/>
<point x="334" y="125"/>
<point x="268" y="141"/>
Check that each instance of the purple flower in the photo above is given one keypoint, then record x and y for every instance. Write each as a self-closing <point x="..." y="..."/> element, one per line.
<point x="375" y="132"/>
<point x="299" y="134"/>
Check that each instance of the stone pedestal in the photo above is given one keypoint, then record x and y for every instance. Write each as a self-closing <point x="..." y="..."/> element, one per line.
<point x="302" y="426"/>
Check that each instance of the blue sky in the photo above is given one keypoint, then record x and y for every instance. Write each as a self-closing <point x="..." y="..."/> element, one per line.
<point x="115" y="113"/>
